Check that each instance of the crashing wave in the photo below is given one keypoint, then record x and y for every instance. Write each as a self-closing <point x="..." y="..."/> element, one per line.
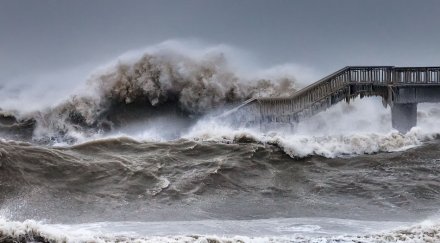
<point x="163" y="94"/>
<point x="32" y="231"/>
<point x="334" y="133"/>
<point x="160" y="81"/>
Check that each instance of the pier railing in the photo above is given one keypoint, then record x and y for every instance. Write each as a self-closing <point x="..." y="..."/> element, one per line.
<point x="337" y="86"/>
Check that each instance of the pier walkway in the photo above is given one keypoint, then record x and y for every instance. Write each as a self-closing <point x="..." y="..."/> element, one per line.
<point x="400" y="87"/>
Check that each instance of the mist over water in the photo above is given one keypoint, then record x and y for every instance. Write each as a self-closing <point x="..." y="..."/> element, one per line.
<point x="136" y="151"/>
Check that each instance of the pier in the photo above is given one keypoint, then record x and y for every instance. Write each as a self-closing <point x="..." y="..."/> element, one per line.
<point x="401" y="88"/>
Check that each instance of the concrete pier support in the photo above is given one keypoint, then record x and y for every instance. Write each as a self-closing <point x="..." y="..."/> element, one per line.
<point x="404" y="116"/>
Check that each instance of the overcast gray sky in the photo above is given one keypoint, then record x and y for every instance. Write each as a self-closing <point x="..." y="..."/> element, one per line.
<point x="40" y="36"/>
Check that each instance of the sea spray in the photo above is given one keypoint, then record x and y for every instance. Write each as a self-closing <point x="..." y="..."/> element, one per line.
<point x="168" y="77"/>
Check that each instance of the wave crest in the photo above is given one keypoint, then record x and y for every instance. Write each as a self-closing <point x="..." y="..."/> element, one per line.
<point x="185" y="84"/>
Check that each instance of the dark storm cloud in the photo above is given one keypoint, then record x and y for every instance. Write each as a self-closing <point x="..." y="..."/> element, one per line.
<point x="39" y="36"/>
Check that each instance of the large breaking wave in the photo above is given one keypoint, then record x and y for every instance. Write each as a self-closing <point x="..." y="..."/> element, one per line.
<point x="169" y="91"/>
<point x="165" y="80"/>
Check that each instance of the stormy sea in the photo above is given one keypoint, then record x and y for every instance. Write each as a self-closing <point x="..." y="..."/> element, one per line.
<point x="139" y="152"/>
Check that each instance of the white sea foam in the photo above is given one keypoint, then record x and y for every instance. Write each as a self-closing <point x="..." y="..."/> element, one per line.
<point x="363" y="127"/>
<point x="268" y="230"/>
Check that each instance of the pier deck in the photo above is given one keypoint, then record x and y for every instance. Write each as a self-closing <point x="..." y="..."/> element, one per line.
<point x="400" y="87"/>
